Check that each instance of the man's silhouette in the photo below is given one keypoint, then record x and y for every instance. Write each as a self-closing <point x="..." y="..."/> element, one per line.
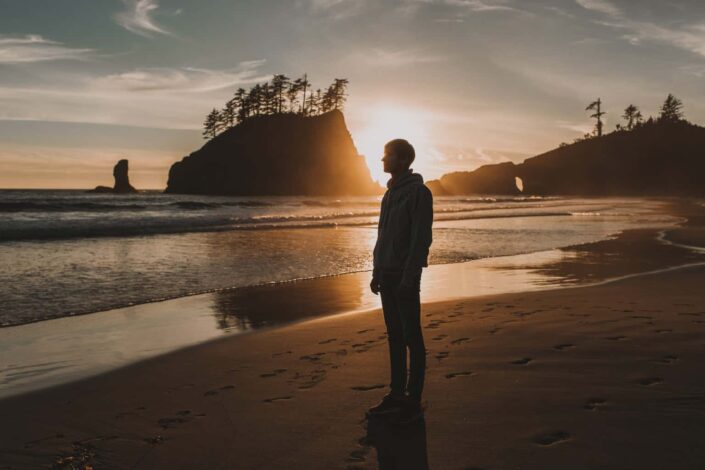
<point x="401" y="251"/>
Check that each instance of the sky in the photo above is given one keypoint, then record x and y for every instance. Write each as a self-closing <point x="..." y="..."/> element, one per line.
<point x="84" y="83"/>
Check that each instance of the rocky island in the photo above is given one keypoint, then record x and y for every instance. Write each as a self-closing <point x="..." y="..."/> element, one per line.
<point x="281" y="138"/>
<point x="122" y="181"/>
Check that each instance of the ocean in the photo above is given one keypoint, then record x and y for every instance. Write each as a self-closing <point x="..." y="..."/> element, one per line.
<point x="66" y="253"/>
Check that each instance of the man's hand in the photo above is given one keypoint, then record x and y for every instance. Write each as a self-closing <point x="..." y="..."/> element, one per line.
<point x="374" y="286"/>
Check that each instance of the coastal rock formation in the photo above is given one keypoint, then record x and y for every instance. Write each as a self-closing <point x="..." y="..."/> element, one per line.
<point x="122" y="181"/>
<point x="652" y="160"/>
<point x="656" y="159"/>
<point x="280" y="154"/>
<point x="488" y="179"/>
<point x="436" y="188"/>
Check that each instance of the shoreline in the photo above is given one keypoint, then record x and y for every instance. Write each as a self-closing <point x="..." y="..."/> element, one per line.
<point x="86" y="345"/>
<point x="546" y="379"/>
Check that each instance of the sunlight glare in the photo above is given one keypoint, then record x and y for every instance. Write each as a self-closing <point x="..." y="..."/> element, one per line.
<point x="384" y="123"/>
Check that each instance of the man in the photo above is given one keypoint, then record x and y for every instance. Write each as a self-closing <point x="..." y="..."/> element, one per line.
<point x="401" y="251"/>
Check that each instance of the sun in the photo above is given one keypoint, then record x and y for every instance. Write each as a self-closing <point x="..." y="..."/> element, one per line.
<point x="384" y="123"/>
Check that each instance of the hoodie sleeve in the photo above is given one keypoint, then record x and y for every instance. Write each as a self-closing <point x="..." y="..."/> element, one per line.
<point x="421" y="233"/>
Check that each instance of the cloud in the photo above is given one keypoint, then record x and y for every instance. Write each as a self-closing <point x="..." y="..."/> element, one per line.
<point x="187" y="79"/>
<point x="137" y="17"/>
<point x="689" y="37"/>
<point x="158" y="97"/>
<point x="35" y="48"/>
<point x="398" y="58"/>
<point x="600" y="6"/>
<point x="480" y="5"/>
<point x="337" y="9"/>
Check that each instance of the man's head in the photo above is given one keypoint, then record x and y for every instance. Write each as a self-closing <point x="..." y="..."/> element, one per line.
<point x="398" y="156"/>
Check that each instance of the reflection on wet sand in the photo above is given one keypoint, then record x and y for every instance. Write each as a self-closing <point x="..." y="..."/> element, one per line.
<point x="94" y="343"/>
<point x="633" y="251"/>
<point x="271" y="304"/>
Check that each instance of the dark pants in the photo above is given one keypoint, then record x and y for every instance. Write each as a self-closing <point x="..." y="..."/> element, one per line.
<point x="402" y="315"/>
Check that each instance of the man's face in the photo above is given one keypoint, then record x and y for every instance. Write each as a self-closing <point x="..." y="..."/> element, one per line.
<point x="391" y="161"/>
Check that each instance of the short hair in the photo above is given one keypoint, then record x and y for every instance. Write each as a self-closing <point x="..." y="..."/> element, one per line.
<point x="402" y="148"/>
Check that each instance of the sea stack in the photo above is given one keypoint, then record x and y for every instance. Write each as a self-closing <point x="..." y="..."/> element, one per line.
<point x="122" y="181"/>
<point x="280" y="155"/>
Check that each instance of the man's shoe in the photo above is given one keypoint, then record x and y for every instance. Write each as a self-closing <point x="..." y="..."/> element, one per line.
<point x="410" y="412"/>
<point x="389" y="405"/>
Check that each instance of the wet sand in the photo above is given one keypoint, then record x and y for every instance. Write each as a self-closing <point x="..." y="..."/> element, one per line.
<point x="605" y="376"/>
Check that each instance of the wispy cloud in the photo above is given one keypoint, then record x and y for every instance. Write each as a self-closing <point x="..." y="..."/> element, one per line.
<point x="690" y="37"/>
<point x="399" y="58"/>
<point x="336" y="9"/>
<point x="158" y="97"/>
<point x="600" y="6"/>
<point x="35" y="48"/>
<point x="187" y="79"/>
<point x="481" y="5"/>
<point x="137" y="17"/>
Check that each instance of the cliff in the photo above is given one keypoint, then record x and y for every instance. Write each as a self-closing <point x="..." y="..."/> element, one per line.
<point x="281" y="154"/>
<point x="122" y="181"/>
<point x="655" y="159"/>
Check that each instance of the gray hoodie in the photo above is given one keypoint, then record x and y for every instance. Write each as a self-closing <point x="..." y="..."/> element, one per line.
<point x="404" y="231"/>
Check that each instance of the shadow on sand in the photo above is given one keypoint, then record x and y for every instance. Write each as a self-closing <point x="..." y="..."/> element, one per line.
<point x="398" y="447"/>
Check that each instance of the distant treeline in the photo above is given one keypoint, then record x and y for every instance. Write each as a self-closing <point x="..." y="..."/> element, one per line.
<point x="278" y="96"/>
<point x="671" y="111"/>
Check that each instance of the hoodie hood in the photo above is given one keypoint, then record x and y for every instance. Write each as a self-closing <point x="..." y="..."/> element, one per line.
<point x="406" y="178"/>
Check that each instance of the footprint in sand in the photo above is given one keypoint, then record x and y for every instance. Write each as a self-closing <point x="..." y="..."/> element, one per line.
<point x="280" y="353"/>
<point x="649" y="381"/>
<point x="668" y="359"/>
<point x="313" y="357"/>
<point x="312" y="379"/>
<point x="616" y="338"/>
<point x="495" y="330"/>
<point x="563" y="346"/>
<point x="460" y="340"/>
<point x="181" y="417"/>
<point x="664" y="330"/>
<point x="365" y="331"/>
<point x="523" y="361"/>
<point x="326" y="341"/>
<point x="274" y="373"/>
<point x="594" y="404"/>
<point x="367" y="388"/>
<point x="439" y="337"/>
<point x="464" y="373"/>
<point x="442" y="355"/>
<point x="273" y="399"/>
<point x="359" y="454"/>
<point x="551" y="438"/>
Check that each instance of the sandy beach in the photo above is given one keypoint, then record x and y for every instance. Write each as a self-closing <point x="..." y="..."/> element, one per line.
<point x="603" y="376"/>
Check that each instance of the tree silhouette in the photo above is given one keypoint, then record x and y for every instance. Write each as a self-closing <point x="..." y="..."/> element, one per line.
<point x="279" y="85"/>
<point x="279" y="96"/>
<point x="338" y="92"/>
<point x="596" y="106"/>
<point x="229" y="112"/>
<point x="292" y="94"/>
<point x="241" y="105"/>
<point x="633" y="117"/>
<point x="671" y="109"/>
<point x="211" y="126"/>
<point x="303" y="85"/>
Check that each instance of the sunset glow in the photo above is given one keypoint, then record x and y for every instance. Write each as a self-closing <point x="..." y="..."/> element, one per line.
<point x="387" y="122"/>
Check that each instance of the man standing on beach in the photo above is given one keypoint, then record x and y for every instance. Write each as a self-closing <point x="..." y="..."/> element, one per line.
<point x="401" y="251"/>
